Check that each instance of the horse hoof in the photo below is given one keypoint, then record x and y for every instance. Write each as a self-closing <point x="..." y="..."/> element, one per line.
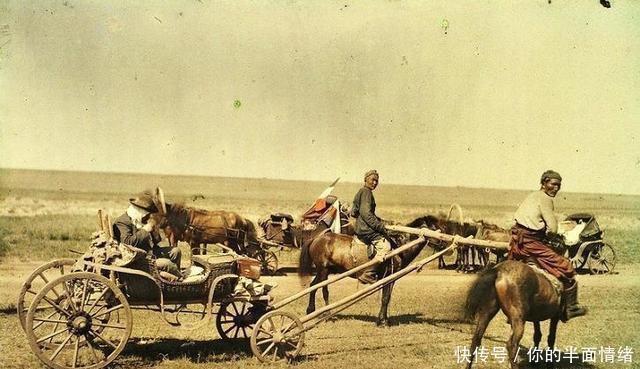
<point x="310" y="310"/>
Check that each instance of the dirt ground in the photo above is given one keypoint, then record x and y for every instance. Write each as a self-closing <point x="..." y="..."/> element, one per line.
<point x="426" y="308"/>
<point x="426" y="332"/>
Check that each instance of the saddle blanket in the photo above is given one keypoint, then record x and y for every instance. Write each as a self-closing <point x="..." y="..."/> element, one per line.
<point x="359" y="251"/>
<point x="555" y="282"/>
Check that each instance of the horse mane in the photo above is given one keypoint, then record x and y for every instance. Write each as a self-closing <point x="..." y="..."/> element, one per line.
<point x="490" y="226"/>
<point x="178" y="216"/>
<point x="428" y="220"/>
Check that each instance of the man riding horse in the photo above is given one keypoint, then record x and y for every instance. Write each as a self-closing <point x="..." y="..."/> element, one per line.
<point x="369" y="228"/>
<point x="534" y="219"/>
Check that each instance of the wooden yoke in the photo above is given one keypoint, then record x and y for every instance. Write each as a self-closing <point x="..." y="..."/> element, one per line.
<point x="450" y="238"/>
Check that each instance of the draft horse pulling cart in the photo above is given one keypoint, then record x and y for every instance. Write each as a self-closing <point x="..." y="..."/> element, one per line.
<point x="82" y="316"/>
<point x="200" y="227"/>
<point x="279" y="334"/>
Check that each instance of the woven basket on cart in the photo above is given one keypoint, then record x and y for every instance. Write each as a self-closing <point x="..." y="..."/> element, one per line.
<point x="139" y="288"/>
<point x="195" y="290"/>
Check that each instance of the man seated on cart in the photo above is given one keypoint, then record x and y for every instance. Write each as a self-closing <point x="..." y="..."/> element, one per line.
<point x="369" y="228"/>
<point x="137" y="228"/>
<point x="535" y="221"/>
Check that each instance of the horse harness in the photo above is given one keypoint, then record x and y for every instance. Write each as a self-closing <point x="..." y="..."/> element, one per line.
<point x="229" y="233"/>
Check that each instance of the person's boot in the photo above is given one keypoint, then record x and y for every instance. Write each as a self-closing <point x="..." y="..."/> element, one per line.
<point x="572" y="308"/>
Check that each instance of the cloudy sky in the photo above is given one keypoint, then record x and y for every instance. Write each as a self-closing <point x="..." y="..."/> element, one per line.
<point x="450" y="93"/>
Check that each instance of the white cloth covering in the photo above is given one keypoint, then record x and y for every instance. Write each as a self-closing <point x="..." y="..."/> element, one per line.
<point x="136" y="214"/>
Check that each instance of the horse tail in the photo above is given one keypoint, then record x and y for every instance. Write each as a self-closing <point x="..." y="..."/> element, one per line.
<point x="480" y="291"/>
<point x="305" y="262"/>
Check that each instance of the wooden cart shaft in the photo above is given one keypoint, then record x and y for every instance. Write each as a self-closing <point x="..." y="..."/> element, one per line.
<point x="450" y="238"/>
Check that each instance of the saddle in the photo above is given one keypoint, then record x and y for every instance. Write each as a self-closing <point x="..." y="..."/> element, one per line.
<point x="555" y="282"/>
<point x="360" y="251"/>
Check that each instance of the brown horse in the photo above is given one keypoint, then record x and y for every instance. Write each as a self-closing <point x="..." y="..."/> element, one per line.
<point x="200" y="227"/>
<point x="492" y="232"/>
<point x="466" y="255"/>
<point x="522" y="294"/>
<point x="331" y="253"/>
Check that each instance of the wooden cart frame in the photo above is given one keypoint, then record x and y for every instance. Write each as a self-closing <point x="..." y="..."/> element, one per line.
<point x="279" y="334"/>
<point x="82" y="316"/>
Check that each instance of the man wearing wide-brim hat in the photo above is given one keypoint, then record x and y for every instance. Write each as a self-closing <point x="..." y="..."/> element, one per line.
<point x="137" y="228"/>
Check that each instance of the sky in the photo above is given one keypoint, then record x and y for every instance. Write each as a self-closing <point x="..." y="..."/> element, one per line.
<point x="440" y="93"/>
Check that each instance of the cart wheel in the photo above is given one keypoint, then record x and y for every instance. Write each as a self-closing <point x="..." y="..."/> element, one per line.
<point x="86" y="329"/>
<point x="269" y="262"/>
<point x="602" y="259"/>
<point x="278" y="335"/>
<point x="236" y="319"/>
<point x="34" y="283"/>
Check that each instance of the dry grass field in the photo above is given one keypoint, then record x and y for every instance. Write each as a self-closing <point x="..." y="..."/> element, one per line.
<point x="44" y="215"/>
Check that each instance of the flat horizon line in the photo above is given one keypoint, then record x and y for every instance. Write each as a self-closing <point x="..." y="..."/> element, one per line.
<point x="292" y="180"/>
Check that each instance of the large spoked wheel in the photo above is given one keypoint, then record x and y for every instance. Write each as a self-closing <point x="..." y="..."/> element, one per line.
<point x="268" y="261"/>
<point x="79" y="320"/>
<point x="236" y="319"/>
<point x="602" y="259"/>
<point x="37" y="280"/>
<point x="277" y="336"/>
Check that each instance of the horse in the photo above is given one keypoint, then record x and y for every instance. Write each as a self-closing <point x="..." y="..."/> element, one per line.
<point x="466" y="256"/>
<point x="200" y="227"/>
<point x="522" y="294"/>
<point x="433" y="223"/>
<point x="331" y="253"/>
<point x="492" y="232"/>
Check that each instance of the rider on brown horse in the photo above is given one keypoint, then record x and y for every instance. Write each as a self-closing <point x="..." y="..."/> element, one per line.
<point x="369" y="228"/>
<point x="534" y="218"/>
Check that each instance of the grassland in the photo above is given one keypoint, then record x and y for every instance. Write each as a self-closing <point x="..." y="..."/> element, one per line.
<point x="45" y="215"/>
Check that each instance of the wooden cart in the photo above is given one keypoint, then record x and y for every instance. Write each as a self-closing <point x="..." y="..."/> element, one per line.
<point x="81" y="317"/>
<point x="279" y="334"/>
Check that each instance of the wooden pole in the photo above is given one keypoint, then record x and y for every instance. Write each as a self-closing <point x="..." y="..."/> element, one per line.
<point x="105" y="225"/>
<point x="450" y="238"/>
<point x="109" y="229"/>
<point x="100" y="224"/>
